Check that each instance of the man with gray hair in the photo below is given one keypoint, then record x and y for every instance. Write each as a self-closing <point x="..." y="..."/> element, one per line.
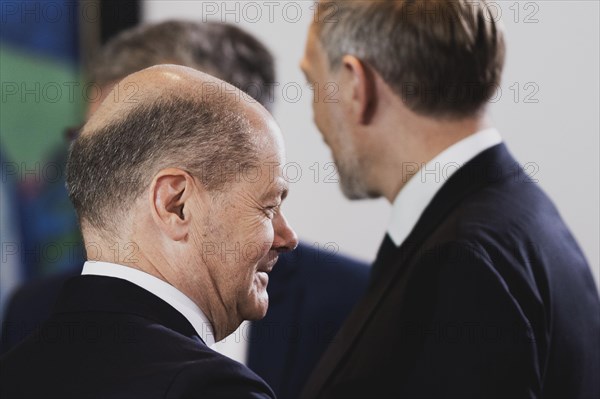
<point x="179" y="247"/>
<point x="479" y="289"/>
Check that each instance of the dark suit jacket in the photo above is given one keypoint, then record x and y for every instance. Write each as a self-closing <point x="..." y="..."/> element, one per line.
<point x="109" y="338"/>
<point x="489" y="296"/>
<point x="311" y="292"/>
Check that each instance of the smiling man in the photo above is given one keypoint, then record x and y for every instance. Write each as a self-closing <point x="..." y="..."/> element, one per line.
<point x="179" y="240"/>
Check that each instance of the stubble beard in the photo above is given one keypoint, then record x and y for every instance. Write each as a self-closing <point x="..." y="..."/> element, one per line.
<point x="353" y="182"/>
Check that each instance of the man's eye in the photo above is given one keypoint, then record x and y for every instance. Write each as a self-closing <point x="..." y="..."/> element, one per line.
<point x="271" y="211"/>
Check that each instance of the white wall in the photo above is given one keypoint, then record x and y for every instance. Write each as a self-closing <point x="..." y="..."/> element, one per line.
<point x="553" y="56"/>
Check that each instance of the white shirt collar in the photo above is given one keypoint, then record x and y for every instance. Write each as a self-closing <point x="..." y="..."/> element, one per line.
<point x="420" y="189"/>
<point x="161" y="289"/>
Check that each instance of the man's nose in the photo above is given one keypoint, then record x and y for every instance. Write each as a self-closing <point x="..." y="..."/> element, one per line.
<point x="285" y="237"/>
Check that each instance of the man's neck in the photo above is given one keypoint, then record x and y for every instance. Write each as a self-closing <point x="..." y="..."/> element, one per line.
<point x="421" y="143"/>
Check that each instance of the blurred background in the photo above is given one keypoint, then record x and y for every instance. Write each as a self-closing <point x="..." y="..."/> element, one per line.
<point x="547" y="110"/>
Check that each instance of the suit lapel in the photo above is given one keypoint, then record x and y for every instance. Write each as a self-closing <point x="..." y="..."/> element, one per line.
<point x="490" y="166"/>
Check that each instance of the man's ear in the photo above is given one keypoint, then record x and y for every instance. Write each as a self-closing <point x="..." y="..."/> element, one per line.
<point x="362" y="84"/>
<point x="170" y="193"/>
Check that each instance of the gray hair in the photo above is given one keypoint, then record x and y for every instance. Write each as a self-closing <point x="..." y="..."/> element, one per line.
<point x="222" y="50"/>
<point x="444" y="58"/>
<point x="109" y="168"/>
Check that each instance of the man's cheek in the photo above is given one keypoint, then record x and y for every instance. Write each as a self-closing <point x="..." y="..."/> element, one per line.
<point x="249" y="252"/>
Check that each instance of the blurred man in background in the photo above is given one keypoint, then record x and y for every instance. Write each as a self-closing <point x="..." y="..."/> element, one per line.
<point x="311" y="290"/>
<point x="479" y="288"/>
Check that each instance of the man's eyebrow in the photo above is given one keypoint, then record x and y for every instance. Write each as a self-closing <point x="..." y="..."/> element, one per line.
<point x="280" y="189"/>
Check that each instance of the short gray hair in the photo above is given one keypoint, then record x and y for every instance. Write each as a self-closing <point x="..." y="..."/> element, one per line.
<point x="444" y="58"/>
<point x="109" y="168"/>
<point x="219" y="49"/>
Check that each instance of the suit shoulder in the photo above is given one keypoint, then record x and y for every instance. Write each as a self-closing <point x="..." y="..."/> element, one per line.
<point x="515" y="224"/>
<point x="466" y="282"/>
<point x="454" y="258"/>
<point x="511" y="207"/>
<point x="217" y="376"/>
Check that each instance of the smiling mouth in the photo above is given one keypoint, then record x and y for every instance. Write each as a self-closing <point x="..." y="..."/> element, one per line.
<point x="268" y="267"/>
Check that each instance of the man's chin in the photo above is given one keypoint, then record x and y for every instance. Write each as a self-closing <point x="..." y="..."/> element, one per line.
<point x="259" y="306"/>
<point x="354" y="188"/>
<point x="257" y="314"/>
<point x="262" y="280"/>
<point x="352" y="192"/>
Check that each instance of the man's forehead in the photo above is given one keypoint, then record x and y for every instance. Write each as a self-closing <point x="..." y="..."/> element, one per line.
<point x="314" y="53"/>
